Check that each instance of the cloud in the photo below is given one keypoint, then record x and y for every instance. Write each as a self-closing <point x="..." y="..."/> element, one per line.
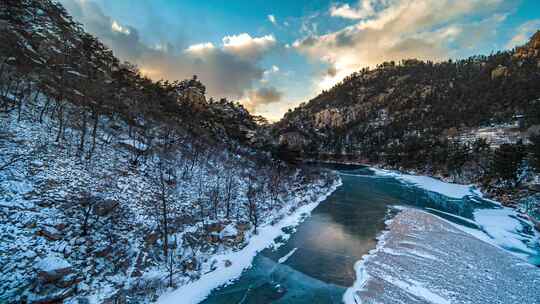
<point x="246" y="47"/>
<point x="228" y="70"/>
<point x="524" y="33"/>
<point x="365" y="9"/>
<point x="268" y="73"/>
<point x="272" y="19"/>
<point x="259" y="97"/>
<point x="400" y="29"/>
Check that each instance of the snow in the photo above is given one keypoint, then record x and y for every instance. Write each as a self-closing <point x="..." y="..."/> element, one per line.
<point x="350" y="296"/>
<point x="504" y="229"/>
<point x="199" y="290"/>
<point x="451" y="267"/>
<point x="229" y="231"/>
<point x="451" y="190"/>
<point x="52" y="263"/>
<point x="417" y="289"/>
<point x="500" y="227"/>
<point x="284" y="258"/>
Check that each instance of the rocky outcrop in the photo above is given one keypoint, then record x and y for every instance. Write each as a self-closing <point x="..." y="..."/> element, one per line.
<point x="329" y="118"/>
<point x="531" y="49"/>
<point x="293" y="140"/>
<point x="499" y="72"/>
<point x="52" y="268"/>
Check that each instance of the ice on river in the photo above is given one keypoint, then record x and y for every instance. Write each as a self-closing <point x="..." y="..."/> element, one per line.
<point x="425" y="259"/>
<point x="451" y="190"/>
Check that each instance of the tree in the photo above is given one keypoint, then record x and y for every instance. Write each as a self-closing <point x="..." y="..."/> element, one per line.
<point x="253" y="194"/>
<point x="506" y="161"/>
<point x="535" y="151"/>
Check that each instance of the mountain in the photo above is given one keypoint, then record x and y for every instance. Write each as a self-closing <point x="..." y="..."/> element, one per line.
<point x="446" y="119"/>
<point x="114" y="187"/>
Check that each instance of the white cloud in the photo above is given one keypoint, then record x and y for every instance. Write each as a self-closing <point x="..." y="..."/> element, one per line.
<point x="365" y="9"/>
<point x="268" y="73"/>
<point x="247" y="47"/>
<point x="228" y="70"/>
<point x="400" y="29"/>
<point x="200" y="49"/>
<point x="115" y="26"/>
<point x="524" y="33"/>
<point x="272" y="19"/>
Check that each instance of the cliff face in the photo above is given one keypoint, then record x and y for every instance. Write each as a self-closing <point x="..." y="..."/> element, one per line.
<point x="531" y="49"/>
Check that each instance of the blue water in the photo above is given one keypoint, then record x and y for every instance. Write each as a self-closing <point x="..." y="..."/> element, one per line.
<point x="339" y="232"/>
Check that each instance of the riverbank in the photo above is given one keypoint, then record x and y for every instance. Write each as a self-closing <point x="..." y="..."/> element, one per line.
<point x="423" y="258"/>
<point x="229" y="266"/>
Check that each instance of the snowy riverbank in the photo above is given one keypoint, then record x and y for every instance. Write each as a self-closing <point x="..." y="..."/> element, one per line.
<point x="500" y="226"/>
<point x="423" y="258"/>
<point x="230" y="265"/>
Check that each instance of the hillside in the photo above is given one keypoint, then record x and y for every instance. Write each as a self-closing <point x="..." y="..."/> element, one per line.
<point x="454" y="119"/>
<point x="114" y="187"/>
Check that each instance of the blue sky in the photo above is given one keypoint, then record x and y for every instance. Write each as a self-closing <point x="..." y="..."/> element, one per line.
<point x="272" y="55"/>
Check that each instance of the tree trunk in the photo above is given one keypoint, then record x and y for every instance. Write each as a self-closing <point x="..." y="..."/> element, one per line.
<point x="164" y="213"/>
<point x="59" y="135"/>
<point x="94" y="133"/>
<point x="45" y="107"/>
<point x="83" y="134"/>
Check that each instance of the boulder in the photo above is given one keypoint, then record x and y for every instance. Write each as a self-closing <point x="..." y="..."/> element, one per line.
<point x="499" y="71"/>
<point x="50" y="233"/>
<point x="151" y="239"/>
<point x="214" y="227"/>
<point x="103" y="208"/>
<point x="103" y="252"/>
<point x="243" y="226"/>
<point x="52" y="269"/>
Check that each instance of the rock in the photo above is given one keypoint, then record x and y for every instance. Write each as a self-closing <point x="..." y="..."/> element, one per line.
<point x="240" y="237"/>
<point x="293" y="140"/>
<point x="69" y="280"/>
<point x="60" y="226"/>
<point x="228" y="263"/>
<point x="329" y="118"/>
<point x="50" y="233"/>
<point x="214" y="227"/>
<point x="151" y="239"/>
<point x="190" y="265"/>
<point x="243" y="226"/>
<point x="499" y="71"/>
<point x="52" y="268"/>
<point x="103" y="252"/>
<point x="55" y="297"/>
<point x="103" y="208"/>
<point x="213" y="237"/>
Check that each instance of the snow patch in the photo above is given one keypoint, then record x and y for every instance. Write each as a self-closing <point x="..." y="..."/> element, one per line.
<point x="351" y="296"/>
<point x="287" y="256"/>
<point x="52" y="263"/>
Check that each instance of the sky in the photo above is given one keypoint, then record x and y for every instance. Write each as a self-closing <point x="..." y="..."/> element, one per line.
<point x="273" y="55"/>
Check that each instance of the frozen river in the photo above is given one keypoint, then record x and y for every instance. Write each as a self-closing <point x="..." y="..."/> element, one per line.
<point x="316" y="264"/>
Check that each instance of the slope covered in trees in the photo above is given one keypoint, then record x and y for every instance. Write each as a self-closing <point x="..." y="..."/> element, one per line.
<point x="427" y="116"/>
<point x="114" y="186"/>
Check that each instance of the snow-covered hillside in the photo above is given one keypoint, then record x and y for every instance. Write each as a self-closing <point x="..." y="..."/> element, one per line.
<point x="75" y="227"/>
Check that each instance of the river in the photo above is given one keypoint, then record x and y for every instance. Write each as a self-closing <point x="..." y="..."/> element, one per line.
<point x="316" y="264"/>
